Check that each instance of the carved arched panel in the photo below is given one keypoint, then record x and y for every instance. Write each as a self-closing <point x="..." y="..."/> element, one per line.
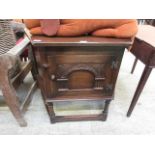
<point x="81" y="79"/>
<point x="65" y="69"/>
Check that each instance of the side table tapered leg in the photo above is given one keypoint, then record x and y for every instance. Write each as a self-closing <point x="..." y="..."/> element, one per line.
<point x="139" y="89"/>
<point x="134" y="65"/>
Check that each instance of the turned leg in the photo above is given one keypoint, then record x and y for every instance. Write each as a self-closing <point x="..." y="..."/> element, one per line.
<point x="13" y="102"/>
<point x="134" y="65"/>
<point x="106" y="108"/>
<point x="51" y="112"/>
<point x="139" y="89"/>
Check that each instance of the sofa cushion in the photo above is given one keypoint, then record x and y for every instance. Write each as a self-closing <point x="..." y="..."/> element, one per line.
<point x="124" y="31"/>
<point x="36" y="31"/>
<point x="120" y="28"/>
<point x="31" y="23"/>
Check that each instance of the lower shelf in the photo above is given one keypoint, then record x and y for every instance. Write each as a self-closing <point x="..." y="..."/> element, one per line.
<point x="100" y="117"/>
<point x="89" y="117"/>
<point x="80" y="95"/>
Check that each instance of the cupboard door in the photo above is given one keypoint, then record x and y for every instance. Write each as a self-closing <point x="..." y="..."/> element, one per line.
<point x="73" y="72"/>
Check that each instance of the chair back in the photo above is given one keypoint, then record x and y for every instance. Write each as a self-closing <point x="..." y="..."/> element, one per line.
<point x="7" y="37"/>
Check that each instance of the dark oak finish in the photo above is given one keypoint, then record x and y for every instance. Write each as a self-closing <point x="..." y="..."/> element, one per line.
<point x="78" y="68"/>
<point x="144" y="50"/>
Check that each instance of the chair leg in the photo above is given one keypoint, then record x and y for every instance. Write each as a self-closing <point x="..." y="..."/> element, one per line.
<point x="34" y="70"/>
<point x="13" y="102"/>
<point x="134" y="65"/>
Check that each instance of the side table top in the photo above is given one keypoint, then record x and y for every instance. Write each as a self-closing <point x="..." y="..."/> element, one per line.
<point x="146" y="33"/>
<point x="79" y="41"/>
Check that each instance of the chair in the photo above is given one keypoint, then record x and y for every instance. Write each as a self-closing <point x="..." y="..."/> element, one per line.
<point x="13" y="71"/>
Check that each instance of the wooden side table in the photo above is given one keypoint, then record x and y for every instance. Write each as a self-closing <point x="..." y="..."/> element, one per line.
<point x="144" y="50"/>
<point x="78" y="68"/>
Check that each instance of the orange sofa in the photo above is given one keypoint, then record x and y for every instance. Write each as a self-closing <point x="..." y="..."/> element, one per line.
<point x="119" y="28"/>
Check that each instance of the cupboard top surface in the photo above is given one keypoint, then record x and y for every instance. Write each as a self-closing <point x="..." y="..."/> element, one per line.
<point x="79" y="41"/>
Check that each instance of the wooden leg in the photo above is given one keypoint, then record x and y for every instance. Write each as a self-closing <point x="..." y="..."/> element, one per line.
<point x="51" y="113"/>
<point x="139" y="89"/>
<point x="6" y="64"/>
<point x="106" y="108"/>
<point x="134" y="65"/>
<point x="28" y="97"/>
<point x="31" y="56"/>
<point x="13" y="102"/>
